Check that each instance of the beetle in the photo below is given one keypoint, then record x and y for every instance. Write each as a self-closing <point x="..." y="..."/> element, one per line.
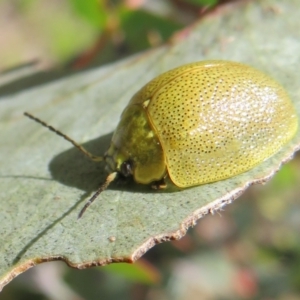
<point x="198" y="123"/>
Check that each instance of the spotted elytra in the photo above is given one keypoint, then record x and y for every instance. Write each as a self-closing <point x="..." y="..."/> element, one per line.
<point x="199" y="123"/>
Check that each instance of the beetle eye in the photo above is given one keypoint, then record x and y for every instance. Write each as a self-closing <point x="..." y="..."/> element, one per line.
<point x="126" y="168"/>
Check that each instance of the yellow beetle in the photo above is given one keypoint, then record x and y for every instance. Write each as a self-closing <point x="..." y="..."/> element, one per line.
<point x="199" y="123"/>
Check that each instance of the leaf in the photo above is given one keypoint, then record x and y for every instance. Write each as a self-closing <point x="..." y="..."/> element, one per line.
<point x="93" y="11"/>
<point x="45" y="181"/>
<point x="141" y="272"/>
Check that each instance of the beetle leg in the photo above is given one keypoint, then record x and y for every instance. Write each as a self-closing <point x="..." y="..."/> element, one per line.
<point x="159" y="185"/>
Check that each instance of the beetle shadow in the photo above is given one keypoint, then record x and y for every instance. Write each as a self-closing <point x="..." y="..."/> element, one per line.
<point x="74" y="169"/>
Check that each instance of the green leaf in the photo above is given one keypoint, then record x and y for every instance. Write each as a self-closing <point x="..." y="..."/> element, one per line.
<point x="139" y="272"/>
<point x="149" y="24"/>
<point x="45" y="181"/>
<point x="91" y="10"/>
<point x="203" y="2"/>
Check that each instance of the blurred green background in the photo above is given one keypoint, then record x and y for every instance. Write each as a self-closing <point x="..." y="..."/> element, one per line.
<point x="251" y="250"/>
<point x="80" y="33"/>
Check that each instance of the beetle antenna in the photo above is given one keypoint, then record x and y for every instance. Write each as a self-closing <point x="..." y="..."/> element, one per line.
<point x="83" y="150"/>
<point x="111" y="177"/>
